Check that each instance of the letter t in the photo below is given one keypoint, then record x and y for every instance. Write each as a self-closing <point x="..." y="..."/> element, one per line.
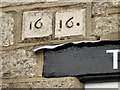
<point x="115" y="57"/>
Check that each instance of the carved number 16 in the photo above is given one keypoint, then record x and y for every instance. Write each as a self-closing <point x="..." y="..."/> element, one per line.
<point x="38" y="24"/>
<point x="67" y="23"/>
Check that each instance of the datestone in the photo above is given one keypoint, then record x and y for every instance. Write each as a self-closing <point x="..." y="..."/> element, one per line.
<point x="70" y="23"/>
<point x="37" y="24"/>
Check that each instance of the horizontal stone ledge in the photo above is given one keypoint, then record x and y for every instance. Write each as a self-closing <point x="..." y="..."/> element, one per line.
<point x="40" y="82"/>
<point x="38" y="5"/>
<point x="50" y="42"/>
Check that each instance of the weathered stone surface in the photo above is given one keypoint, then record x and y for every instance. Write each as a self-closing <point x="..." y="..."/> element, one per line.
<point x="103" y="8"/>
<point x="67" y="82"/>
<point x="18" y="63"/>
<point x="70" y="23"/>
<point x="37" y="24"/>
<point x="0" y="79"/>
<point x="51" y="0"/>
<point x="0" y="63"/>
<point x="106" y="25"/>
<point x="6" y="27"/>
<point x="0" y="70"/>
<point x="5" y="3"/>
<point x="5" y="85"/>
<point x="116" y="4"/>
<point x="111" y="36"/>
<point x="100" y="8"/>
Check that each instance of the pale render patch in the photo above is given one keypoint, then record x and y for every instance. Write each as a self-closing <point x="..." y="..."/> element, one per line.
<point x="37" y="24"/>
<point x="70" y="23"/>
<point x="6" y="28"/>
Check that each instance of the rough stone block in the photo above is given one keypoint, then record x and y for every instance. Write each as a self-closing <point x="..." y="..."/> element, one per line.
<point x="51" y="0"/>
<point x="67" y="82"/>
<point x="70" y="23"/>
<point x="100" y="8"/>
<point x="6" y="29"/>
<point x="116" y="3"/>
<point x="18" y="63"/>
<point x="106" y="25"/>
<point x="103" y="8"/>
<point x="37" y="24"/>
<point x="7" y="3"/>
<point x="111" y="36"/>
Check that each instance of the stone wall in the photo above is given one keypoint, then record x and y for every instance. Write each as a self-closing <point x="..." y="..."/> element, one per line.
<point x="26" y="25"/>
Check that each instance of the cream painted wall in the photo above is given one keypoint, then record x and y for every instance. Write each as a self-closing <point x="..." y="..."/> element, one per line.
<point x="103" y="85"/>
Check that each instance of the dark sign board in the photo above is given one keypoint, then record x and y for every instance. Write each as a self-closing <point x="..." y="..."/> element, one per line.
<point x="86" y="60"/>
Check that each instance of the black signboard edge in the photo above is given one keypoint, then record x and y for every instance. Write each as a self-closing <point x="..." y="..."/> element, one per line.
<point x="113" y="77"/>
<point x="86" y="78"/>
<point x="92" y="78"/>
<point x="81" y="43"/>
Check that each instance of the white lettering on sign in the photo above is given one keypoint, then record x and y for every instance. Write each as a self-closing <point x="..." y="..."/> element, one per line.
<point x="37" y="24"/>
<point x="115" y="57"/>
<point x="70" y="23"/>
